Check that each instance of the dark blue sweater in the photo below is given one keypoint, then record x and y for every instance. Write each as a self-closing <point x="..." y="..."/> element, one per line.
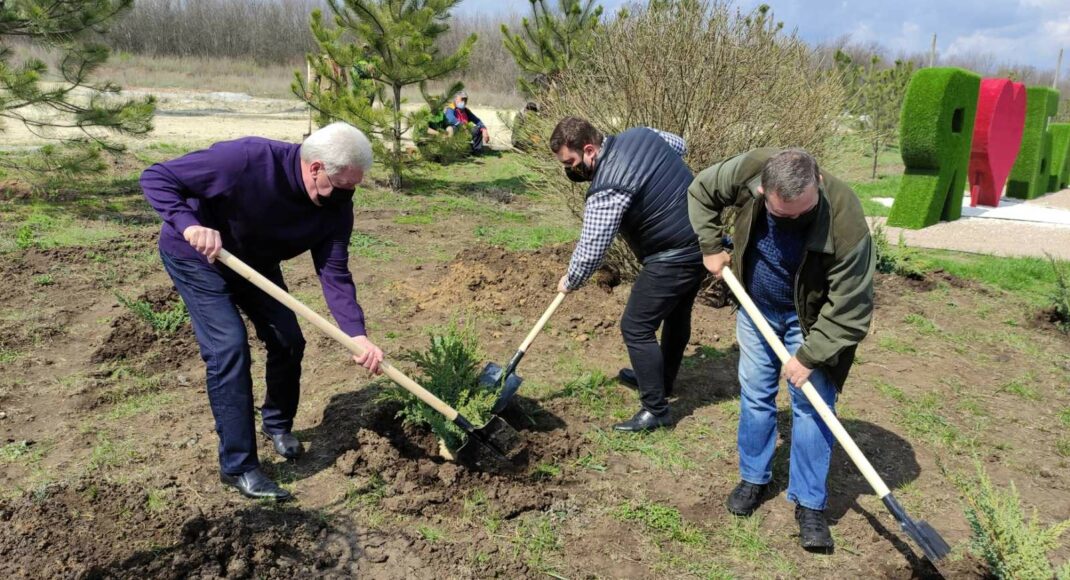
<point x="251" y="191"/>
<point x="773" y="259"/>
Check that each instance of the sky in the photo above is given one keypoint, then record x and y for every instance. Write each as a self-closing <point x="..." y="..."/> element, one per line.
<point x="1013" y="31"/>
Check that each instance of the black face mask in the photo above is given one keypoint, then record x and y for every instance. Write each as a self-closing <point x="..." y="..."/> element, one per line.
<point x="580" y="172"/>
<point x="796" y="223"/>
<point x="338" y="197"/>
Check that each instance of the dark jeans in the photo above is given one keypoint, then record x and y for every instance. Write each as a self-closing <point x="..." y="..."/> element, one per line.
<point x="662" y="296"/>
<point x="477" y="140"/>
<point x="213" y="297"/>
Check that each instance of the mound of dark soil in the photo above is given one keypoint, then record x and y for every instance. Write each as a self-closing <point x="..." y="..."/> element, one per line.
<point x="132" y="337"/>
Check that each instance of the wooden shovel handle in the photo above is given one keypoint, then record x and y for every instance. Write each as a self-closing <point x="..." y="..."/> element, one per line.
<point x="808" y="389"/>
<point x="542" y="322"/>
<point x="332" y="331"/>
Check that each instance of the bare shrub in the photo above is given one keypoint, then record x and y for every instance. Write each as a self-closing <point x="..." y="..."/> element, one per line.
<point x="726" y="81"/>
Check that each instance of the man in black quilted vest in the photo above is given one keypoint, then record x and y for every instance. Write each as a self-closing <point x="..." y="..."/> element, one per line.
<point x="638" y="188"/>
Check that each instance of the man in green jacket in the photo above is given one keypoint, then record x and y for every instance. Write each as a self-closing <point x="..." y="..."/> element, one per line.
<point x="804" y="253"/>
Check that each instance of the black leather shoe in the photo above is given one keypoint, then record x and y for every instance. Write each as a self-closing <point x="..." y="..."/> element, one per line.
<point x="256" y="485"/>
<point x="644" y="421"/>
<point x="814" y="534"/>
<point x="285" y="444"/>
<point x="745" y="498"/>
<point x="627" y="378"/>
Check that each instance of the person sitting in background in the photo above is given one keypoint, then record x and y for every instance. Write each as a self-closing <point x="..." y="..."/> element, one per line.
<point x="459" y="116"/>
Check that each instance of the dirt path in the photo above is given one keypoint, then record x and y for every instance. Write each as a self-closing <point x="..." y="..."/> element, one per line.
<point x="200" y="118"/>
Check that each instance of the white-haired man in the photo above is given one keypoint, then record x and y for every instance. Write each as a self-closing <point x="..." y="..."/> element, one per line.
<point x="265" y="201"/>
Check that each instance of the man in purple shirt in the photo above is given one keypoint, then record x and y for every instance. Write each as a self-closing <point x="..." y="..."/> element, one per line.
<point x="264" y="201"/>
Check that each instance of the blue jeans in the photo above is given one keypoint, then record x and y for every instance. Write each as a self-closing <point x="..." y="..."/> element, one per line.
<point x="759" y="379"/>
<point x="213" y="295"/>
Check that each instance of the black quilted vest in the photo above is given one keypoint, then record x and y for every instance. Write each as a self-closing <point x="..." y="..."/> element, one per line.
<point x="656" y="225"/>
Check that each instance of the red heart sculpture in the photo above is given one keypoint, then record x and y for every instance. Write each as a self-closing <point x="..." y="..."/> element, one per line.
<point x="997" y="135"/>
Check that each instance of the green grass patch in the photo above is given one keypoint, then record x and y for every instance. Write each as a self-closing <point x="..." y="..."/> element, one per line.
<point x="1022" y="387"/>
<point x="478" y="509"/>
<point x="8" y="355"/>
<point x="546" y="471"/>
<point x="1064" y="417"/>
<point x="524" y="237"/>
<point x="598" y="394"/>
<point x="488" y="175"/>
<point x="22" y="452"/>
<point x="1062" y="447"/>
<point x="156" y="500"/>
<point x="896" y="345"/>
<point x="368" y="494"/>
<point x="921" y="324"/>
<point x="664" y="448"/>
<point x="46" y="226"/>
<point x="886" y="186"/>
<point x="536" y="539"/>
<point x="369" y="246"/>
<point x="139" y="405"/>
<point x="107" y="454"/>
<point x="431" y="534"/>
<point x="664" y="520"/>
<point x="1033" y="279"/>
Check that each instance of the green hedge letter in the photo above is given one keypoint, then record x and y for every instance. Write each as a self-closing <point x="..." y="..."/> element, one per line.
<point x="1060" y="156"/>
<point x="935" y="133"/>
<point x="1031" y="172"/>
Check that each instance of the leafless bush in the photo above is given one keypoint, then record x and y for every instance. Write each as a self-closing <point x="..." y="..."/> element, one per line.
<point x="726" y="81"/>
<point x="277" y="32"/>
<point x="268" y="31"/>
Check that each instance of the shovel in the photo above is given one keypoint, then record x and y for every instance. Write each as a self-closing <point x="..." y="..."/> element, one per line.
<point x="495" y="440"/>
<point x="494" y="377"/>
<point x="930" y="542"/>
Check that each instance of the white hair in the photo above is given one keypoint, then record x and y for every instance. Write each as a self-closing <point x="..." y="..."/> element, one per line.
<point x="338" y="146"/>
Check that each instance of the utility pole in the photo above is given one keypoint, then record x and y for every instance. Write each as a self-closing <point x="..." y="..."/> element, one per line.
<point x="1058" y="68"/>
<point x="932" y="52"/>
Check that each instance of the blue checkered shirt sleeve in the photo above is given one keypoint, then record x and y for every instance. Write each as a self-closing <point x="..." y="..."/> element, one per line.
<point x="602" y="215"/>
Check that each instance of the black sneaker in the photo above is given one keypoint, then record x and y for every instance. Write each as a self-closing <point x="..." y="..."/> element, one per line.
<point x="814" y="534"/>
<point x="745" y="498"/>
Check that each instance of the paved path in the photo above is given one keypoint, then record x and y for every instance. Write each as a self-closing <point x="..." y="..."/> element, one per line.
<point x="1016" y="228"/>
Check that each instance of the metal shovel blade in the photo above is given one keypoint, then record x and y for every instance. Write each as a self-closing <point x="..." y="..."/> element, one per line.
<point x="929" y="540"/>
<point x="492" y="447"/>
<point x="491" y="377"/>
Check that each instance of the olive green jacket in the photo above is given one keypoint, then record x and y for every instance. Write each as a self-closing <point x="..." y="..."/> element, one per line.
<point x="834" y="284"/>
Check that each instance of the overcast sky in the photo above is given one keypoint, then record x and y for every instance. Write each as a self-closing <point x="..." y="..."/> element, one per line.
<point x="1014" y="31"/>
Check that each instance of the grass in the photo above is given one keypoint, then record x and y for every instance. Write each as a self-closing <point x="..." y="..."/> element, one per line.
<point x="536" y="539"/>
<point x="156" y="500"/>
<point x="1064" y="417"/>
<point x="369" y="494"/>
<point x="598" y="394"/>
<point x="896" y="345"/>
<point x="544" y="471"/>
<point x="431" y="534"/>
<point x="921" y="324"/>
<point x="1032" y="279"/>
<point x="664" y="520"/>
<point x="1022" y="387"/>
<point x="107" y="454"/>
<point x="8" y="355"/>
<point x="139" y="405"/>
<point x="524" y="237"/>
<point x="883" y="186"/>
<point x="664" y="448"/>
<point x="370" y="247"/>
<point x="45" y="226"/>
<point x="478" y="510"/>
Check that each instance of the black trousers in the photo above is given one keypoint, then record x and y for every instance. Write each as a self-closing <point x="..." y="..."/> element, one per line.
<point x="213" y="297"/>
<point x="662" y="297"/>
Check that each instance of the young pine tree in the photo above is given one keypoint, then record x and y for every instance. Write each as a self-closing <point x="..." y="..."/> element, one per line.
<point x="394" y="44"/>
<point x="69" y="99"/>
<point x="875" y="97"/>
<point x="552" y="41"/>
